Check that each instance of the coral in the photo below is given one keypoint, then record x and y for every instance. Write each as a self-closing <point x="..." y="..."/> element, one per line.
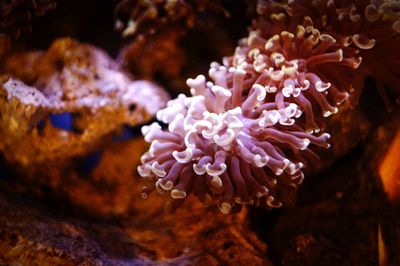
<point x="16" y="16"/>
<point x="133" y="16"/>
<point x="244" y="137"/>
<point x="74" y="82"/>
<point x="369" y="28"/>
<point x="158" y="53"/>
<point x="161" y="36"/>
<point x="241" y="143"/>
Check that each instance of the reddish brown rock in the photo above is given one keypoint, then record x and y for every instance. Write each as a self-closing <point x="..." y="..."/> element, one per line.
<point x="33" y="235"/>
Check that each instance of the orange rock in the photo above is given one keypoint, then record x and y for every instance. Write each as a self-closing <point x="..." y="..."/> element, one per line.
<point x="389" y="169"/>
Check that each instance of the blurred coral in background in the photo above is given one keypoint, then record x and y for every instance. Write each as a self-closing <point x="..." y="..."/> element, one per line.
<point x="17" y="15"/>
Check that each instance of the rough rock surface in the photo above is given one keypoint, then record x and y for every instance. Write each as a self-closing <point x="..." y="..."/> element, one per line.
<point x="76" y="85"/>
<point x="33" y="235"/>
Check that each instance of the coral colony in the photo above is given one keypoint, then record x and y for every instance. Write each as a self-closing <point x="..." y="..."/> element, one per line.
<point x="84" y="88"/>
<point x="245" y="135"/>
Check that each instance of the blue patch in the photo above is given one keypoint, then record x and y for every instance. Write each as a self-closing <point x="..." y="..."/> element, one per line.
<point x="126" y="134"/>
<point x="63" y="121"/>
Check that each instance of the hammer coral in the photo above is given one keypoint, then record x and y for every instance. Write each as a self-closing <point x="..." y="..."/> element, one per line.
<point x="245" y="136"/>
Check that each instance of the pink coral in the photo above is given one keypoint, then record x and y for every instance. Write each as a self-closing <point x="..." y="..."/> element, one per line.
<point x="367" y="28"/>
<point x="236" y="139"/>
<point x="245" y="136"/>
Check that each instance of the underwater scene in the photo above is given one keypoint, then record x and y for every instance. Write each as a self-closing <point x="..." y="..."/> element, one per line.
<point x="199" y="132"/>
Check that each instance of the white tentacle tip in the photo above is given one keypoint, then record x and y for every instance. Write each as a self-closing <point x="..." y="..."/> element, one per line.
<point x="225" y="207"/>
<point x="178" y="194"/>
<point x="217" y="172"/>
<point x="144" y="170"/>
<point x="260" y="91"/>
<point x="260" y="161"/>
<point x="216" y="182"/>
<point x="157" y="170"/>
<point x="199" y="170"/>
<point x="167" y="186"/>
<point x="221" y="91"/>
<point x="144" y="195"/>
<point x="305" y="144"/>
<point x="184" y="156"/>
<point x="272" y="202"/>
